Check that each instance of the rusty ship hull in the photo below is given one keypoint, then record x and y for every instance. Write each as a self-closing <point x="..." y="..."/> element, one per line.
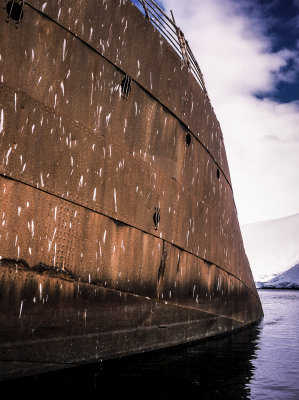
<point x="119" y="232"/>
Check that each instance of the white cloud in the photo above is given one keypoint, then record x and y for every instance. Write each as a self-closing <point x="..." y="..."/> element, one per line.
<point x="233" y="49"/>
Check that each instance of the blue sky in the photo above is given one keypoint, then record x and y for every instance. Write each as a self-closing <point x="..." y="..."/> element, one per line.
<point x="283" y="27"/>
<point x="248" y="51"/>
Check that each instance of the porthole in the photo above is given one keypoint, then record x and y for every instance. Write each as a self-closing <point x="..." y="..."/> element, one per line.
<point x="156" y="218"/>
<point x="126" y="86"/>
<point x="188" y="139"/>
<point x="14" y="11"/>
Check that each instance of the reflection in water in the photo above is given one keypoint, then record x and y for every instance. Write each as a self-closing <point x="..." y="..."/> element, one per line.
<point x="276" y="365"/>
<point x="257" y="363"/>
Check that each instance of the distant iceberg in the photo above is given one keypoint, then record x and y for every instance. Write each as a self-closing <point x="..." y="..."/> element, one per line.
<point x="272" y="247"/>
<point x="287" y="280"/>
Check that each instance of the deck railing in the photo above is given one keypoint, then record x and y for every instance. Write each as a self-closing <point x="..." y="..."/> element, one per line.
<point x="173" y="34"/>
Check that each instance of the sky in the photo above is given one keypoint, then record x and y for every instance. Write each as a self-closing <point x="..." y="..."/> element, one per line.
<point x="248" y="51"/>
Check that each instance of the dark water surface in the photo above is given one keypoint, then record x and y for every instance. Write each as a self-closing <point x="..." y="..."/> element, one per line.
<point x="260" y="362"/>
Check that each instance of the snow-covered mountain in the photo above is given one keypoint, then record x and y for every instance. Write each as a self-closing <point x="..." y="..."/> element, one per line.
<point x="287" y="280"/>
<point x="272" y="247"/>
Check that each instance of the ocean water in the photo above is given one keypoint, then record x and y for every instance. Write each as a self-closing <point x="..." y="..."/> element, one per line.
<point x="260" y="362"/>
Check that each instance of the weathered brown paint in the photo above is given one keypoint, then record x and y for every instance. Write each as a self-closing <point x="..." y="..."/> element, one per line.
<point x="83" y="170"/>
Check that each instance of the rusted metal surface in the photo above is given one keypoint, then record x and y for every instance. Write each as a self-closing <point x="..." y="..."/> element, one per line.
<point x="95" y="249"/>
<point x="94" y="322"/>
<point x="115" y="217"/>
<point x="110" y="28"/>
